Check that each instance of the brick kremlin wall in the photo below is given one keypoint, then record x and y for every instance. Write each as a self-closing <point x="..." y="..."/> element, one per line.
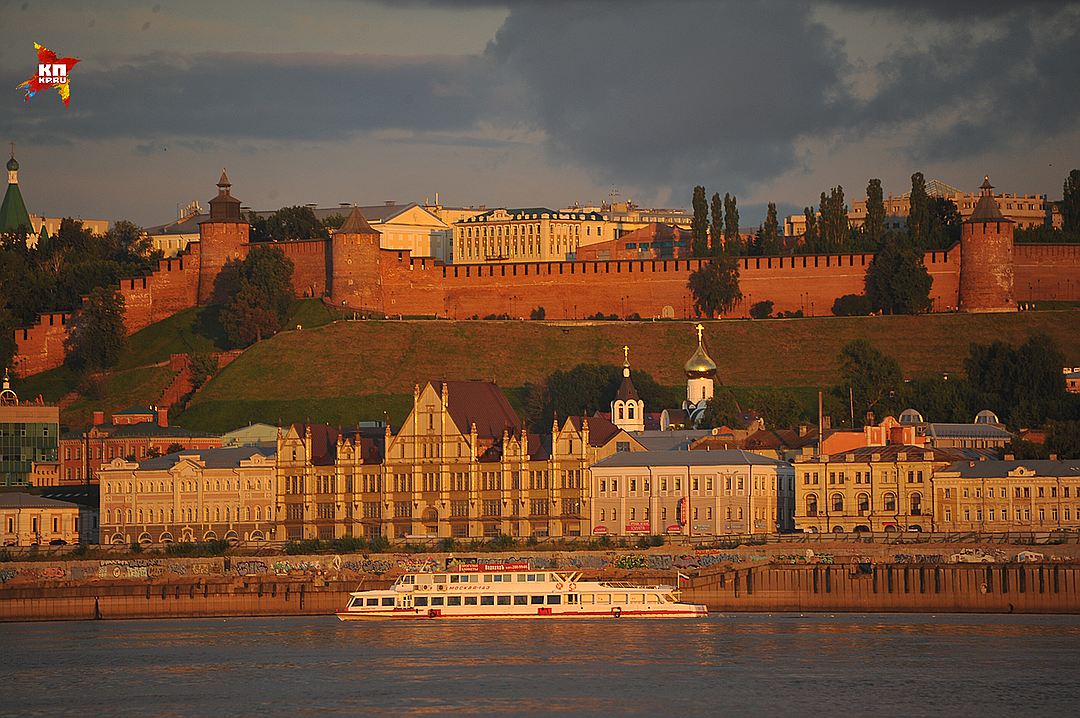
<point x="1045" y="272"/>
<point x="310" y="261"/>
<point x="652" y="288"/>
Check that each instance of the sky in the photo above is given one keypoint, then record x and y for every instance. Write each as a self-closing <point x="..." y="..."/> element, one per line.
<point x="536" y="102"/>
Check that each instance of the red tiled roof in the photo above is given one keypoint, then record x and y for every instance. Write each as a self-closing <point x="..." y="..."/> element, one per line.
<point x="601" y="430"/>
<point x="481" y="402"/>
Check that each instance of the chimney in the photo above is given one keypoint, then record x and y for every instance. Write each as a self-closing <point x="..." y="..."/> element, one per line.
<point x="99" y="418"/>
<point x="163" y="416"/>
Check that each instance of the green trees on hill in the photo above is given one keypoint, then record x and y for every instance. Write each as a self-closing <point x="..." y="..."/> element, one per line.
<point x="699" y="227"/>
<point x="715" y="287"/>
<point x="97" y="333"/>
<point x="261" y="302"/>
<point x="291" y="223"/>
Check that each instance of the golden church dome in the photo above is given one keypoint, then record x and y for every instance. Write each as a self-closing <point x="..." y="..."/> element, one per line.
<point x="700" y="364"/>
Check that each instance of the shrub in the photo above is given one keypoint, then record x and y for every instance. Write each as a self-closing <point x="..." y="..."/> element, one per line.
<point x="446" y="545"/>
<point x="531" y="541"/>
<point x="851" y="305"/>
<point x="762" y="309"/>
<point x="537" y="313"/>
<point x="136" y="547"/>
<point x="197" y="548"/>
<point x="502" y="541"/>
<point x="348" y="544"/>
<point x="294" y="548"/>
<point x="379" y="544"/>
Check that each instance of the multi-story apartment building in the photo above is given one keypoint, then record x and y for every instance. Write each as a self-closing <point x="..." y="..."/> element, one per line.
<point x="192" y="495"/>
<point x="693" y="493"/>
<point x="530" y="234"/>
<point x="136" y="433"/>
<point x="871" y="488"/>
<point x="29" y="433"/>
<point x="461" y="465"/>
<point x="621" y="218"/>
<point x="1035" y="495"/>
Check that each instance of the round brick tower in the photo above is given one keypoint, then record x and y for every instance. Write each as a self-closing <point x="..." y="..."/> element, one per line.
<point x="223" y="241"/>
<point x="355" y="276"/>
<point x="986" y="258"/>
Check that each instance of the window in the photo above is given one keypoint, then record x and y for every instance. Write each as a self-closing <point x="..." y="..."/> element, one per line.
<point x="420" y="601"/>
<point x="521" y="600"/>
<point x="554" y="600"/>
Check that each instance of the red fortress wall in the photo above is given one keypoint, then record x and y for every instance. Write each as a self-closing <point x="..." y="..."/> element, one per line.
<point x="651" y="288"/>
<point x="1046" y="272"/>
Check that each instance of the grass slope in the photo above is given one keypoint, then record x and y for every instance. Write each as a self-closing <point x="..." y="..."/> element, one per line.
<point x="348" y="371"/>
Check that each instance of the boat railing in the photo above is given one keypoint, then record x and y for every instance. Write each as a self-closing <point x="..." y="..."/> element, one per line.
<point x="627" y="584"/>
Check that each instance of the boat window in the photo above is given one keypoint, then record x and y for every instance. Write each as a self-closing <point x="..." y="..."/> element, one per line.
<point x="603" y="598"/>
<point x="521" y="600"/>
<point x="619" y="598"/>
<point x="504" y="600"/>
<point x="470" y="600"/>
<point x="373" y="602"/>
<point x="554" y="600"/>
<point x="538" y="600"/>
<point x="572" y="598"/>
<point x="453" y="600"/>
<point x="355" y="602"/>
<point x="388" y="601"/>
<point x="521" y="578"/>
<point x="440" y="578"/>
<point x="487" y="600"/>
<point x="437" y="600"/>
<point x="454" y="578"/>
<point x="588" y="598"/>
<point x="487" y="578"/>
<point x="474" y="578"/>
<point x="420" y="600"/>
<point x="637" y="598"/>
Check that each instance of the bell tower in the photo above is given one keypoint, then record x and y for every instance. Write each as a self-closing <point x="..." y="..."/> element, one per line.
<point x="700" y="379"/>
<point x="628" y="410"/>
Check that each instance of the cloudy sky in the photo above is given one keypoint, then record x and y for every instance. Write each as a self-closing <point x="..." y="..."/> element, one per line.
<point x="536" y="102"/>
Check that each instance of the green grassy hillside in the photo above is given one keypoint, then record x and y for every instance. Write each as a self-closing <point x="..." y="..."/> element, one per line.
<point x="348" y="371"/>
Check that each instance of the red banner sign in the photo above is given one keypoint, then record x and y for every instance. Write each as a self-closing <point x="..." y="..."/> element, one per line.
<point x="674" y="529"/>
<point x="637" y="527"/>
<point x="599" y="530"/>
<point x="493" y="567"/>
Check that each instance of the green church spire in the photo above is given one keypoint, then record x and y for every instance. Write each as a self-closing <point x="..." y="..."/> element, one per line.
<point x="13" y="214"/>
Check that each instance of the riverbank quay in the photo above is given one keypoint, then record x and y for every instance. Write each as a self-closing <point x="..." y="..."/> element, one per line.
<point x="826" y="577"/>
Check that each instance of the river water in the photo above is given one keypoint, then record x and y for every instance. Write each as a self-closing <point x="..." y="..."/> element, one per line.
<point x="734" y="664"/>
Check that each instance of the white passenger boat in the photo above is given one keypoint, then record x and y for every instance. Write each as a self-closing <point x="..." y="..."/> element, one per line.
<point x="513" y="590"/>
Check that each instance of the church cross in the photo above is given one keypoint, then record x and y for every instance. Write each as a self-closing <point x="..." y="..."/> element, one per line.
<point x="700" y="329"/>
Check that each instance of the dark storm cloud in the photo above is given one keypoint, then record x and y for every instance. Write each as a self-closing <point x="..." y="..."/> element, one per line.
<point x="264" y="96"/>
<point x="715" y="91"/>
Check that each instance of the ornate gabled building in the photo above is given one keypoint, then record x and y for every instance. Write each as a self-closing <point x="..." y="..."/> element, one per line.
<point x="461" y="465"/>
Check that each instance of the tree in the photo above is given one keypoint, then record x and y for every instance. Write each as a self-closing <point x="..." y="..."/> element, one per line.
<point x="811" y="242"/>
<point x="834" y="221"/>
<point x="97" y="333"/>
<point x="1022" y="384"/>
<point x="537" y="313"/>
<point x="715" y="286"/>
<point x="868" y="377"/>
<point x="851" y="305"/>
<point x="874" y="226"/>
<point x="1063" y="439"/>
<point x="918" y="223"/>
<point x="770" y="232"/>
<point x="700" y="226"/>
<point x="732" y="241"/>
<point x="263" y="297"/>
<point x="716" y="229"/>
<point x="722" y="410"/>
<point x="203" y="367"/>
<point x="287" y="223"/>
<point x="897" y="281"/>
<point x="1070" y="203"/>
<point x="779" y="409"/>
<point x="8" y="325"/>
<point x="761" y="310"/>
<point x="945" y="223"/>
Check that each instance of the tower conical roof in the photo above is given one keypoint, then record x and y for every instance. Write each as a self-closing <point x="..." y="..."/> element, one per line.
<point x="356" y="223"/>
<point x="987" y="209"/>
<point x="13" y="214"/>
<point x="700" y="363"/>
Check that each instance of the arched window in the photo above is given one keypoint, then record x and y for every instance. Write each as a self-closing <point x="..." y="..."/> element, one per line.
<point x="227" y="514"/>
<point x="140" y="516"/>
<point x="838" y="503"/>
<point x="129" y="515"/>
<point x="258" y="513"/>
<point x="864" y="503"/>
<point x="269" y="513"/>
<point x="217" y="513"/>
<point x="602" y="515"/>
<point x="889" y="502"/>
<point x="811" y="505"/>
<point x="630" y="411"/>
<point x="619" y="408"/>
<point x="916" y="505"/>
<point x="247" y="513"/>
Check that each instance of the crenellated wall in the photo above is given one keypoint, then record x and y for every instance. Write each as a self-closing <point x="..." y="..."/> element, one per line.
<point x="310" y="261"/>
<point x="1045" y="272"/>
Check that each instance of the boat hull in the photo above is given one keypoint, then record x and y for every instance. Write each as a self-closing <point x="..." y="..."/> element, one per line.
<point x="688" y="612"/>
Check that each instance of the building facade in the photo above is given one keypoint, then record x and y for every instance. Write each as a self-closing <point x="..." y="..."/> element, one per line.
<point x="461" y="466"/>
<point x="531" y="234"/>
<point x="691" y="493"/>
<point x="1000" y="496"/>
<point x="29" y="437"/>
<point x="201" y="495"/>
<point x="135" y="434"/>
<point x="27" y="520"/>
<point x="871" y="488"/>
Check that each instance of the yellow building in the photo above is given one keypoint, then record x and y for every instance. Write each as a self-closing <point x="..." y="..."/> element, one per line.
<point x="192" y="495"/>
<point x="27" y="520"/>
<point x="872" y="488"/>
<point x="998" y="496"/>
<point x="624" y="217"/>
<point x="531" y="234"/>
<point x="461" y="465"/>
<point x="691" y="493"/>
